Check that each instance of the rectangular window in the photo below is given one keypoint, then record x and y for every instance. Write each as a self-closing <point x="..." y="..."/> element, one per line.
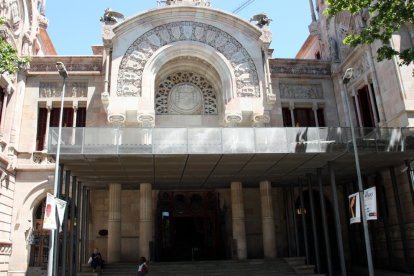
<point x="67" y="120"/>
<point x="366" y="107"/>
<point x="41" y="128"/>
<point x="81" y="117"/>
<point x="1" y="102"/>
<point x="304" y="117"/>
<point x="287" y="118"/>
<point x="321" y="117"/>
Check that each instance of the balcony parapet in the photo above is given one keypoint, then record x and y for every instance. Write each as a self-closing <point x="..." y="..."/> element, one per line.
<point x="141" y="141"/>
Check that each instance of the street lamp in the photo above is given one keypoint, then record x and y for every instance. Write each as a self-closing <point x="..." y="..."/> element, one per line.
<point x="52" y="269"/>
<point x="345" y="80"/>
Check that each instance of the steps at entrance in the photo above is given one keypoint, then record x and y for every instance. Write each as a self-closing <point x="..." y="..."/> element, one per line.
<point x="213" y="268"/>
<point x="299" y="265"/>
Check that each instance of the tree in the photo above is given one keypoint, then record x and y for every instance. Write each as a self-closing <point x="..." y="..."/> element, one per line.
<point x="385" y="18"/>
<point x="10" y="62"/>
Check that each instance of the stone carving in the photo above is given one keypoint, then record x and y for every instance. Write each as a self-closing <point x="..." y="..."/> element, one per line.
<point x="77" y="90"/>
<point x="48" y="90"/>
<point x="260" y="120"/>
<point x="51" y="67"/>
<point x="54" y="89"/>
<point x="5" y="249"/>
<point x="27" y="43"/>
<point x="143" y="48"/>
<point x="361" y="66"/>
<point x="298" y="91"/>
<point x="185" y="93"/>
<point x="261" y="20"/>
<point x="233" y="119"/>
<point x="11" y="12"/>
<point x="345" y="24"/>
<point x="299" y="70"/>
<point x="185" y="98"/>
<point x="111" y="17"/>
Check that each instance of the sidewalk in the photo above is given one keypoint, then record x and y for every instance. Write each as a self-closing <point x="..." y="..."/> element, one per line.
<point x="363" y="271"/>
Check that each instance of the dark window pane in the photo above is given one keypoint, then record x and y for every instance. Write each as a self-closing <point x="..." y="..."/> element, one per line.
<point x="41" y="128"/>
<point x="287" y="118"/>
<point x="81" y="117"/>
<point x="1" y="102"/>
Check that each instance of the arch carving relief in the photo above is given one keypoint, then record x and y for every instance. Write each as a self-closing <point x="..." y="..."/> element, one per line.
<point x="141" y="50"/>
<point x="185" y="93"/>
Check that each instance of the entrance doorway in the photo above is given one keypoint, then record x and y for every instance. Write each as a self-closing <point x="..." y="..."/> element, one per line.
<point x="188" y="227"/>
<point x="319" y="226"/>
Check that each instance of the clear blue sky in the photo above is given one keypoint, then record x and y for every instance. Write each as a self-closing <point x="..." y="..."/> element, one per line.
<point x="74" y="25"/>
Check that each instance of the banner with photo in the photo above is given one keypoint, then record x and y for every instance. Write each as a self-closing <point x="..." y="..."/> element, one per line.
<point x="354" y="208"/>
<point x="370" y="201"/>
<point x="61" y="206"/>
<point x="49" y="219"/>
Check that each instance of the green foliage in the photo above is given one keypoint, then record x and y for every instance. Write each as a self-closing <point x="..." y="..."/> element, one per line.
<point x="385" y="18"/>
<point x="10" y="62"/>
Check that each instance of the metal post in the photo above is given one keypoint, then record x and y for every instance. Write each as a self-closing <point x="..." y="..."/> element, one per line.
<point x="314" y="230"/>
<point x="65" y="224"/>
<point x="401" y="224"/>
<point x="295" y="223"/>
<point x="77" y="267"/>
<point x="72" y="226"/>
<point x="410" y="174"/>
<point x="286" y="199"/>
<point x="51" y="269"/>
<point x="304" y="226"/>
<point x="347" y="77"/>
<point x="324" y="222"/>
<point x="337" y="220"/>
<point x="83" y="227"/>
<point x="56" y="236"/>
<point x="87" y="211"/>
<point x="383" y="202"/>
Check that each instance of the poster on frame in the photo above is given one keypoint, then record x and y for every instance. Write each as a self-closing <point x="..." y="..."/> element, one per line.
<point x="354" y="208"/>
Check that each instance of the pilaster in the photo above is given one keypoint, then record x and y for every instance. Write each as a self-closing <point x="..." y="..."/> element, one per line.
<point x="114" y="223"/>
<point x="238" y="219"/>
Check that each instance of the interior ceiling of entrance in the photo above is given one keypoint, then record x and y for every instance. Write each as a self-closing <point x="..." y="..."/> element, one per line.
<point x="217" y="171"/>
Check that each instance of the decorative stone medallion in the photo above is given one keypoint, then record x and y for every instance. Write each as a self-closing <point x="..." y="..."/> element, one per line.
<point x="141" y="50"/>
<point x="185" y="93"/>
<point x="185" y="98"/>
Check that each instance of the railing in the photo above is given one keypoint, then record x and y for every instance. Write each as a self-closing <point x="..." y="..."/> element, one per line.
<point x="228" y="140"/>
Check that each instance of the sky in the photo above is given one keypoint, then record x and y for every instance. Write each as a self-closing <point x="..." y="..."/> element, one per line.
<point x="74" y="25"/>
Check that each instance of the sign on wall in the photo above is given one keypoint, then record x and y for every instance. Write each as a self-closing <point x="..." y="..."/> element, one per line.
<point x="354" y="208"/>
<point x="49" y="219"/>
<point x="370" y="198"/>
<point x="370" y="202"/>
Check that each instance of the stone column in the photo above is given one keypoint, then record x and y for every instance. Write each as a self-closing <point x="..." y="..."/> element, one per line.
<point x="315" y="114"/>
<point x="237" y="210"/>
<point x="75" y="116"/>
<point x="374" y="107"/>
<point x="46" y="140"/>
<point x="268" y="220"/>
<point x="292" y="113"/>
<point x="114" y="223"/>
<point x="145" y="219"/>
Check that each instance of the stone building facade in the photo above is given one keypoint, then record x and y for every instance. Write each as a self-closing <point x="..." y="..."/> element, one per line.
<point x="185" y="139"/>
